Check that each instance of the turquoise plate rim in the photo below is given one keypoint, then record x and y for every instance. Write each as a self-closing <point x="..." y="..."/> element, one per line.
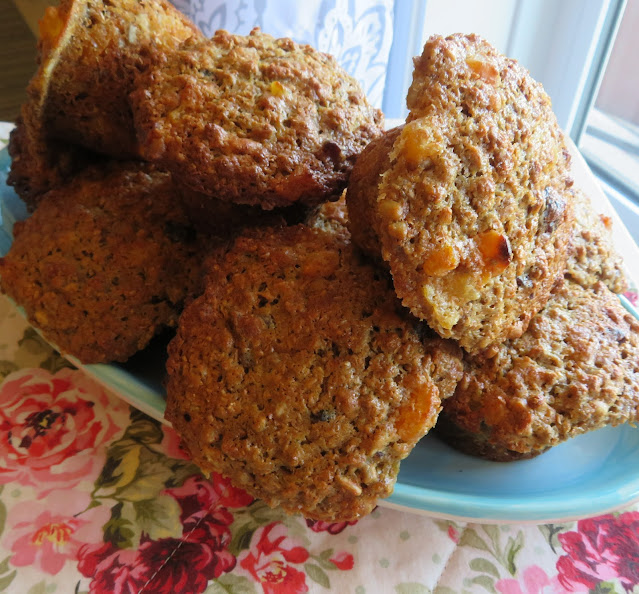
<point x="436" y="480"/>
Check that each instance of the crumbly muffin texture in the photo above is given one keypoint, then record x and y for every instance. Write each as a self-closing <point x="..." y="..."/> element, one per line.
<point x="592" y="256"/>
<point x="89" y="53"/>
<point x="473" y="214"/>
<point x="331" y="217"/>
<point x="574" y="370"/>
<point x="254" y="119"/>
<point x="298" y="375"/>
<point x="104" y="262"/>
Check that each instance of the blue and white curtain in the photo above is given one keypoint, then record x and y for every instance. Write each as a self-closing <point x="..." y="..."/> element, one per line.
<point x="358" y="33"/>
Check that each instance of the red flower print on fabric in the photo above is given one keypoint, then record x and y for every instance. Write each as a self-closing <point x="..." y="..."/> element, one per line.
<point x="330" y="527"/>
<point x="272" y="558"/>
<point x="170" y="565"/>
<point x="602" y="549"/>
<point x="53" y="428"/>
<point x="343" y="561"/>
<point x="198" y="494"/>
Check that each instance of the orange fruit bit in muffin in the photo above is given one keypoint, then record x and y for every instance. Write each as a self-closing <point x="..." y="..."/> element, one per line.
<point x="494" y="248"/>
<point x="441" y="260"/>
<point x="485" y="70"/>
<point x="414" y="414"/>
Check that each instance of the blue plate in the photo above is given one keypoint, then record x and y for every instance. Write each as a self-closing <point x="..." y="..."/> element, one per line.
<point x="585" y="476"/>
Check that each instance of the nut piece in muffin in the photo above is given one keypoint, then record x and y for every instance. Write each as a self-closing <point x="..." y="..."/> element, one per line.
<point x="298" y="375"/>
<point x="473" y="214"/>
<point x="254" y="119"/>
<point x="89" y="52"/>
<point x="575" y="369"/>
<point x="105" y="262"/>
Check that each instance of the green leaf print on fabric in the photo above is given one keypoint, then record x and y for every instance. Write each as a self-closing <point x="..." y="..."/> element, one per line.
<point x="42" y="588"/>
<point x="3" y="515"/>
<point x="33" y="350"/>
<point x="247" y="520"/>
<point x="231" y="584"/>
<point x="605" y="588"/>
<point x="5" y="577"/>
<point x="484" y="566"/>
<point x="317" y="574"/>
<point x="551" y="531"/>
<point x="157" y="518"/>
<point x="7" y="367"/>
<point x="118" y="530"/>
<point x="485" y="582"/>
<point x="134" y="476"/>
<point x="505" y="555"/>
<point x="136" y="471"/>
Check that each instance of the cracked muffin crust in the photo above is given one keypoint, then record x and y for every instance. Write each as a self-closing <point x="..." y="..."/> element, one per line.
<point x="104" y="262"/>
<point x="473" y="214"/>
<point x="298" y="375"/>
<point x="574" y="370"/>
<point x="254" y="119"/>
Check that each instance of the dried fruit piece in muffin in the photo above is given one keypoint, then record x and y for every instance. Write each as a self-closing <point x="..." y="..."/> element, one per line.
<point x="574" y="370"/>
<point x="473" y="214"/>
<point x="89" y="52"/>
<point x="298" y="375"/>
<point x="254" y="119"/>
<point x="105" y="262"/>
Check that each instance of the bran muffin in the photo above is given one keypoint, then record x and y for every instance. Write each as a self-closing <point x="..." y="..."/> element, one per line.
<point x="254" y="119"/>
<point x="574" y="370"/>
<point x="89" y="52"/>
<point x="473" y="214"/>
<point x="39" y="164"/>
<point x="592" y="255"/>
<point x="298" y="375"/>
<point x="105" y="262"/>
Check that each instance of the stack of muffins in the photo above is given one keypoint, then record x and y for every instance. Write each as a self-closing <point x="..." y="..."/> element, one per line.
<point x="338" y="291"/>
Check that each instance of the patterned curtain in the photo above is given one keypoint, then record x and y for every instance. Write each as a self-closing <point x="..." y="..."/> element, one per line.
<point x="358" y="33"/>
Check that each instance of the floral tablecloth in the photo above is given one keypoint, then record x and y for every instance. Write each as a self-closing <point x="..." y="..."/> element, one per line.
<point x="97" y="497"/>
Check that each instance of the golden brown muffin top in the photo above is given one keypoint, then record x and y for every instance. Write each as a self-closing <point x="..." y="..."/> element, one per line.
<point x="254" y="119"/>
<point x="298" y="375"/>
<point x="104" y="262"/>
<point x="575" y="369"/>
<point x="473" y="214"/>
<point x="89" y="53"/>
